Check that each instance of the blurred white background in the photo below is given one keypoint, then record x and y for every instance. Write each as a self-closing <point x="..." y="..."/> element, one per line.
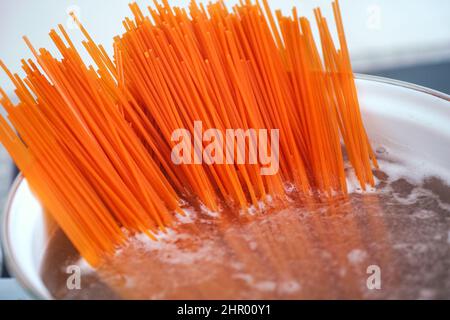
<point x="381" y="33"/>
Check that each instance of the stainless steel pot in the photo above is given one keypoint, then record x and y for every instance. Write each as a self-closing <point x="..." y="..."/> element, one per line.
<point x="397" y="115"/>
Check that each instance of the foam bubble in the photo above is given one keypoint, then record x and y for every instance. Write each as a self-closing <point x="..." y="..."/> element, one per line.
<point x="357" y="256"/>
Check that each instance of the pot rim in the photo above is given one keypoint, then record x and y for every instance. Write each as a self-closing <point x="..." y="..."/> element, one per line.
<point x="11" y="263"/>
<point x="9" y="257"/>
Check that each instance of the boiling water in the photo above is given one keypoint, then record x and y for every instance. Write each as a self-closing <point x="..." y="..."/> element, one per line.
<point x="401" y="228"/>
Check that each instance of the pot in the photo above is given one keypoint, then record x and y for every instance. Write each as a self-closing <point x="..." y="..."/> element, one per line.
<point x="411" y="119"/>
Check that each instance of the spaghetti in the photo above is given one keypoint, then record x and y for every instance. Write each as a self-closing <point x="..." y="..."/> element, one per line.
<point x="95" y="144"/>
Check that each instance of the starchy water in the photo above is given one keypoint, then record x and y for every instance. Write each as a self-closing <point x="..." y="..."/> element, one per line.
<point x="399" y="230"/>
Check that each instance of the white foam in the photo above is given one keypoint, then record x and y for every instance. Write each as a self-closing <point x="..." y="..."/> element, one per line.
<point x="188" y="217"/>
<point x="253" y="245"/>
<point x="208" y="212"/>
<point x="427" y="294"/>
<point x="357" y="256"/>
<point x="413" y="196"/>
<point x="353" y="185"/>
<point x="405" y="164"/>
<point x="402" y="164"/>
<point x="247" y="278"/>
<point x="266" y="286"/>
<point x="289" y="287"/>
<point x="424" y="214"/>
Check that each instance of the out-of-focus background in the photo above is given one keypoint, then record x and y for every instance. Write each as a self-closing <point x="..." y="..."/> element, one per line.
<point x="402" y="39"/>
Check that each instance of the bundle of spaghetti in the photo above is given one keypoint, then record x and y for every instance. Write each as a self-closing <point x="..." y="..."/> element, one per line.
<point x="95" y="144"/>
<point x="85" y="154"/>
<point x="239" y="62"/>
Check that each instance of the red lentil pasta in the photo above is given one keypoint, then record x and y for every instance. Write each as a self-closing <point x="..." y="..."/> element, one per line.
<point x="95" y="142"/>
